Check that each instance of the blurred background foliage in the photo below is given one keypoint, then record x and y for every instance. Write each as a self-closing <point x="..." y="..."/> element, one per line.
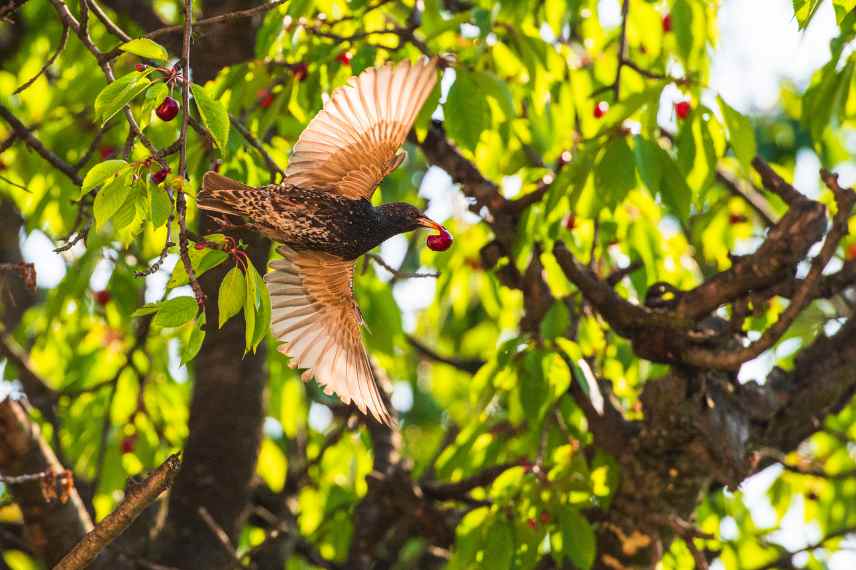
<point x="530" y="98"/>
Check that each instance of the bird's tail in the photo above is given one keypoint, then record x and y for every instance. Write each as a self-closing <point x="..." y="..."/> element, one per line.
<point x="227" y="196"/>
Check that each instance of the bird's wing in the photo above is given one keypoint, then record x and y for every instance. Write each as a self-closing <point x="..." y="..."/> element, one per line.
<point x="351" y="144"/>
<point x="313" y="311"/>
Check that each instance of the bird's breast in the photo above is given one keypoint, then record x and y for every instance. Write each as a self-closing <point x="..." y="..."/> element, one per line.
<point x="322" y="221"/>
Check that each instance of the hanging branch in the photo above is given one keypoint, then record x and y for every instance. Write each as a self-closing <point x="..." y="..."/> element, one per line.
<point x="180" y="200"/>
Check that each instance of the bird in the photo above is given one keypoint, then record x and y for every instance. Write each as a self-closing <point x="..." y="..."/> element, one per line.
<point x="322" y="217"/>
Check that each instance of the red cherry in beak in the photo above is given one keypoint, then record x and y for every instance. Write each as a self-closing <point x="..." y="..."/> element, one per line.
<point x="441" y="241"/>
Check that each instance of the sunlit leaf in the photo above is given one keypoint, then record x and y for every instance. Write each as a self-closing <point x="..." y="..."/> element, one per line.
<point x="231" y="296"/>
<point x="146" y="48"/>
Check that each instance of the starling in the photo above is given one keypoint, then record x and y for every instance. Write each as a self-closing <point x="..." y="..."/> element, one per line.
<point x="322" y="215"/>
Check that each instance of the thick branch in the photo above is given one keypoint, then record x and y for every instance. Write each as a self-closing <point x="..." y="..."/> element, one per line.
<point x="52" y="526"/>
<point x="137" y="498"/>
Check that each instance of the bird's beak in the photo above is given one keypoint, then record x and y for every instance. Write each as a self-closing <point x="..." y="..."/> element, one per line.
<point x="429" y="223"/>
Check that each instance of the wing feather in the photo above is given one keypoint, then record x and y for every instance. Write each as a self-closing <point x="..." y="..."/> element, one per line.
<point x="351" y="144"/>
<point x="315" y="315"/>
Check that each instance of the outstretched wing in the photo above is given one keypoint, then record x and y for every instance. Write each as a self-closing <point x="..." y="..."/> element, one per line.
<point x="351" y="144"/>
<point x="313" y="311"/>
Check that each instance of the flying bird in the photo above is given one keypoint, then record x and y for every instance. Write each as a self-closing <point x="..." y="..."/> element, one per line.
<point x="322" y="215"/>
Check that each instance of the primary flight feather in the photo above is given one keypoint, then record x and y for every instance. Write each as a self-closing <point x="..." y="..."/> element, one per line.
<point x="322" y="215"/>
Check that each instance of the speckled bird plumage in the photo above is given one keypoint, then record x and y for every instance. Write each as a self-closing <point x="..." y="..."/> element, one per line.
<point x="322" y="215"/>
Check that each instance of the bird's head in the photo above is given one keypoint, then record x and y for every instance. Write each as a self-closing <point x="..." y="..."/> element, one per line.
<point x="403" y="217"/>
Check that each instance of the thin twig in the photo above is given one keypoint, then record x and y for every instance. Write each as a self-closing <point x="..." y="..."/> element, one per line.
<point x="470" y="366"/>
<point x="622" y="46"/>
<point x="180" y="203"/>
<point x="273" y="167"/>
<point x="108" y="23"/>
<point x="62" y="41"/>
<point x="782" y="561"/>
<point x="26" y="135"/>
<point x="400" y="274"/>
<point x="221" y="536"/>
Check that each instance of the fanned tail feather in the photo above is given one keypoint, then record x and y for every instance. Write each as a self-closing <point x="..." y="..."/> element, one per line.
<point x="227" y="196"/>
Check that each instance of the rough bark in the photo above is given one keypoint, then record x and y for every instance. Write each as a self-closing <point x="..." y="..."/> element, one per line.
<point x="51" y="527"/>
<point x="15" y="297"/>
<point x="226" y="414"/>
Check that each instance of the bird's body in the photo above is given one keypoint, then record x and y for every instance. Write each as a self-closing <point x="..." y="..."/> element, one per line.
<point x="306" y="219"/>
<point x="322" y="214"/>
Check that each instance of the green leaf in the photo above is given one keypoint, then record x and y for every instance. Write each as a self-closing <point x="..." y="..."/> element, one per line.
<point x="804" y="10"/>
<point x="148" y="309"/>
<point x="466" y="111"/>
<point x="497" y="90"/>
<point x="741" y="135"/>
<point x="175" y="312"/>
<point x="116" y="95"/>
<point x="649" y="163"/>
<point x="615" y="173"/>
<point x="263" y="317"/>
<point x="194" y="341"/>
<point x="127" y="211"/>
<point x="534" y="389"/>
<point x="110" y="199"/>
<point x="201" y="260"/>
<point x="214" y="116"/>
<point x="622" y="110"/>
<point x="100" y="173"/>
<point x="146" y="48"/>
<point x="250" y="302"/>
<point x="231" y="296"/>
<point x="556" y="321"/>
<point x="159" y="205"/>
<point x="498" y="545"/>
<point x="578" y="539"/>
<point x="661" y="175"/>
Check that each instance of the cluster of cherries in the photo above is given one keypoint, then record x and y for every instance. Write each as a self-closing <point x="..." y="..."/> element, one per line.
<point x="682" y="108"/>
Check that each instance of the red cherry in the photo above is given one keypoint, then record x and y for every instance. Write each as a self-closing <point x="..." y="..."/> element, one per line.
<point x="682" y="109"/>
<point x="128" y="443"/>
<point x="667" y="23"/>
<point x="140" y="67"/>
<point x="544" y="517"/>
<point x="734" y="219"/>
<point x="265" y="98"/>
<point x="533" y="524"/>
<point x="600" y="109"/>
<point x="850" y="255"/>
<point x="167" y="110"/>
<point x="441" y="241"/>
<point x="106" y="152"/>
<point x="344" y="58"/>
<point x="300" y="71"/>
<point x="571" y="222"/>
<point x="160" y="175"/>
<point x="102" y="297"/>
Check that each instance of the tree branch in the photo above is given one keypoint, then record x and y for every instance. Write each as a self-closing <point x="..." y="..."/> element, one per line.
<point x="52" y="525"/>
<point x="137" y="498"/>
<point x="26" y="135"/>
